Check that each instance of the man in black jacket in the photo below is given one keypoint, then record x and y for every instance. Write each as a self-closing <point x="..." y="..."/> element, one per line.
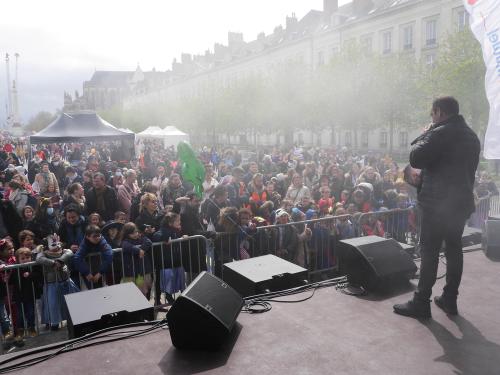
<point x="448" y="155"/>
<point x="10" y="221"/>
<point x="101" y="198"/>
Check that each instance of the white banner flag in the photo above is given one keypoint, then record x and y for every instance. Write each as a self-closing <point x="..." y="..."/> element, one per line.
<point x="485" y="24"/>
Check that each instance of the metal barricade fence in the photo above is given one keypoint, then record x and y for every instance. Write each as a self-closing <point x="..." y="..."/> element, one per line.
<point x="19" y="307"/>
<point x="310" y="244"/>
<point x="485" y="206"/>
<point x="170" y="267"/>
<point x="494" y="205"/>
<point x="399" y="224"/>
<point x="167" y="268"/>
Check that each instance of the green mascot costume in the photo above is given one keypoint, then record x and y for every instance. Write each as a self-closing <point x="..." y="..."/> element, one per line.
<point x="192" y="168"/>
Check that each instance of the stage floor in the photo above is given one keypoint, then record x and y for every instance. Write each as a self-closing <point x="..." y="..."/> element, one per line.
<point x="332" y="333"/>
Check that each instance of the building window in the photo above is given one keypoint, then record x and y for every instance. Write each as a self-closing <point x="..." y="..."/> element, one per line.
<point x="335" y="51"/>
<point x="300" y="139"/>
<point x="321" y="58"/>
<point x="431" y="33"/>
<point x="383" y="139"/>
<point x="462" y="20"/>
<point x="408" y="37"/>
<point x="367" y="44"/>
<point x="386" y="42"/>
<point x="430" y="60"/>
<point x="348" y="139"/>
<point x="403" y="139"/>
<point x="364" y="139"/>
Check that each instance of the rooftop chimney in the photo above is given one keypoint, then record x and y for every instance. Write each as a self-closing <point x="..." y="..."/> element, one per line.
<point x="329" y="7"/>
<point x="291" y="23"/>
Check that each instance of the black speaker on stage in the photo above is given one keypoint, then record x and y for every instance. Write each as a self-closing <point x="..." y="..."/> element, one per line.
<point x="471" y="236"/>
<point x="491" y="239"/>
<point x="204" y="314"/>
<point x="95" y="309"/>
<point x="374" y="262"/>
<point x="267" y="273"/>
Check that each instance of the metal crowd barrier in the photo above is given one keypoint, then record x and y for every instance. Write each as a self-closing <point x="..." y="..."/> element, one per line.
<point x="168" y="267"/>
<point x="399" y="224"/>
<point x="310" y="244"/>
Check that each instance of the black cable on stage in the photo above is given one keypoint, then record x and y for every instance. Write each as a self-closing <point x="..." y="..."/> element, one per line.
<point x="261" y="303"/>
<point x="53" y="346"/>
<point x="81" y="342"/>
<point x="72" y="346"/>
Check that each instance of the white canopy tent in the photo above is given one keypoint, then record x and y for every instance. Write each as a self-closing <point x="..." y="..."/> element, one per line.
<point x="173" y="136"/>
<point x="170" y="135"/>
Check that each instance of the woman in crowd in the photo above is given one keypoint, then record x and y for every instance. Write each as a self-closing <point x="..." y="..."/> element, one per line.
<point x="75" y="195"/>
<point x="46" y="222"/>
<point x="45" y="178"/>
<point x="149" y="217"/>
<point x="18" y="195"/>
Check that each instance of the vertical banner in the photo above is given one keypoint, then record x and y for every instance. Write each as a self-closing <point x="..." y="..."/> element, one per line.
<point x="485" y="25"/>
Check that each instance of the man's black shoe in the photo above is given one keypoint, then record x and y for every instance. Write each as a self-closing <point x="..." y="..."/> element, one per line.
<point x="415" y="309"/>
<point x="448" y="305"/>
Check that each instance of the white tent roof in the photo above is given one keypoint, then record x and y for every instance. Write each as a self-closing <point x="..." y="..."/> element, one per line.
<point x="152" y="131"/>
<point x="172" y="130"/>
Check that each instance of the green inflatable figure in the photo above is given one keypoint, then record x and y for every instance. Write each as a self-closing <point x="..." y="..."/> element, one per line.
<point x="192" y="168"/>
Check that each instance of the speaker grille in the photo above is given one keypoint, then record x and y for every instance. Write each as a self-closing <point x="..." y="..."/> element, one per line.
<point x="207" y="291"/>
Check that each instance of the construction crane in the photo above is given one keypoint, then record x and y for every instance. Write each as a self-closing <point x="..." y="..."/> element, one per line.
<point x="13" y="120"/>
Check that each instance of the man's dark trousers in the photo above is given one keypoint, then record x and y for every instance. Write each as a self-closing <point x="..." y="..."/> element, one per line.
<point x="435" y="229"/>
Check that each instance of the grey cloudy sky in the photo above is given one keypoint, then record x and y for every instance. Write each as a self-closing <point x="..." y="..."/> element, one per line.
<point x="62" y="42"/>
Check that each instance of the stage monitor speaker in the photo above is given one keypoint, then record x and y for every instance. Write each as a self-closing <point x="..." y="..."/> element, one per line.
<point x="374" y="262"/>
<point x="96" y="309"/>
<point x="204" y="314"/>
<point x="471" y="236"/>
<point x="267" y="273"/>
<point x="491" y="239"/>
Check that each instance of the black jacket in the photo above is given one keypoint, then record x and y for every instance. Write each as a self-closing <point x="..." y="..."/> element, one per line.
<point x="11" y="219"/>
<point x="448" y="155"/>
<point x="110" y="202"/>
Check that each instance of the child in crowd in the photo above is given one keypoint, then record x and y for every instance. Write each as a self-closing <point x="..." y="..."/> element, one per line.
<point x="100" y="257"/>
<point x="137" y="266"/>
<point x="5" y="293"/>
<point x="27" y="282"/>
<point x="372" y="225"/>
<point x="111" y="233"/>
<point x="344" y="226"/>
<point x="120" y="217"/>
<point x="55" y="262"/>
<point x="172" y="274"/>
<point x="95" y="219"/>
<point x="27" y="239"/>
<point x="247" y="229"/>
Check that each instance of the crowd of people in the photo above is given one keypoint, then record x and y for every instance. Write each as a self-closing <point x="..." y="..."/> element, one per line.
<point x="64" y="214"/>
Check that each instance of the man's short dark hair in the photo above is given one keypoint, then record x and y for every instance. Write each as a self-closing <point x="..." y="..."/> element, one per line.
<point x="238" y="170"/>
<point x="447" y="105"/>
<point x="92" y="229"/>
<point x="220" y="190"/>
<point x="72" y="208"/>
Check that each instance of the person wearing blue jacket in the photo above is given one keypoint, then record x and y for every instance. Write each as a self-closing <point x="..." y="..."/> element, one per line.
<point x="100" y="255"/>
<point x="136" y="258"/>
